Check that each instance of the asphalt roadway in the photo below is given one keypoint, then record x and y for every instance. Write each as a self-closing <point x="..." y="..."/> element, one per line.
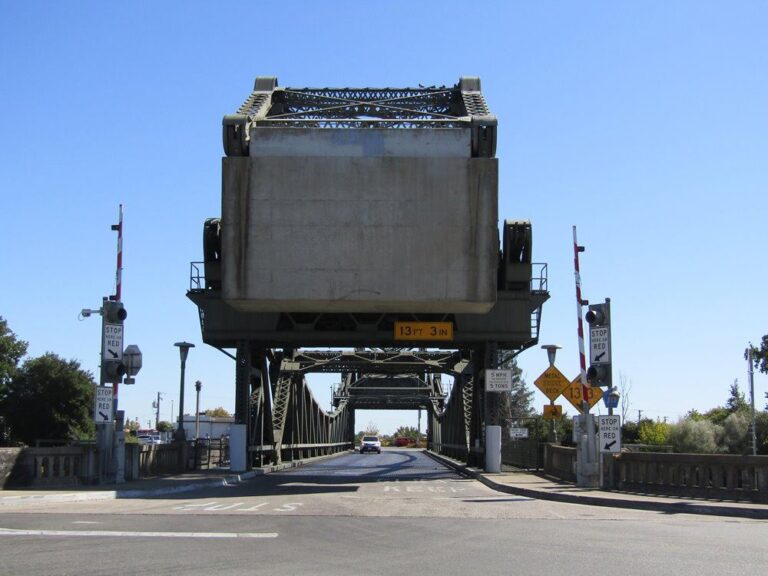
<point x="400" y="512"/>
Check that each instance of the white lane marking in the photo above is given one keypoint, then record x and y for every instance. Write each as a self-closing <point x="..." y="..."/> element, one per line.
<point x="85" y="522"/>
<point x="192" y="506"/>
<point x="124" y="534"/>
<point x="222" y="506"/>
<point x="236" y="507"/>
<point x="423" y="489"/>
<point x="252" y="508"/>
<point x="288" y="507"/>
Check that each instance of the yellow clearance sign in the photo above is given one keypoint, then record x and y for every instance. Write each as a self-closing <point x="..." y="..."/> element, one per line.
<point x="551" y="383"/>
<point x="424" y="331"/>
<point x="574" y="395"/>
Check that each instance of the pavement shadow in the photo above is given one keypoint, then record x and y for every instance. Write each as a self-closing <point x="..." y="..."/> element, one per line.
<point x="321" y="478"/>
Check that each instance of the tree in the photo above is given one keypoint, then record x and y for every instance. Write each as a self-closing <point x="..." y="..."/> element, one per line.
<point x="736" y="401"/>
<point x="517" y="402"/>
<point x="164" y="426"/>
<point x="654" y="433"/>
<point x="716" y="415"/>
<point x="219" y="412"/>
<point x="625" y="387"/>
<point x="132" y="426"/>
<point x="371" y="429"/>
<point x="11" y="351"/>
<point x="50" y="398"/>
<point x="760" y="356"/>
<point x="410" y="432"/>
<point x="736" y="437"/>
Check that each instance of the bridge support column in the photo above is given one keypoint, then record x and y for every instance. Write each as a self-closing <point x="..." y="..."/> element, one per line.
<point x="242" y="397"/>
<point x="260" y="409"/>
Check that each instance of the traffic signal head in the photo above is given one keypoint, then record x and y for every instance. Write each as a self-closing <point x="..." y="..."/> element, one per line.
<point x="113" y="367"/>
<point x="113" y="370"/>
<point x="114" y="312"/>
<point x="598" y="315"/>
<point x="599" y="375"/>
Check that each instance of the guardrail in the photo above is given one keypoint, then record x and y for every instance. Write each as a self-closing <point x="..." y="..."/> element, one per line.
<point x="54" y="466"/>
<point x="291" y="452"/>
<point x="716" y="476"/>
<point x="156" y="459"/>
<point x="560" y="461"/>
<point x="208" y="454"/>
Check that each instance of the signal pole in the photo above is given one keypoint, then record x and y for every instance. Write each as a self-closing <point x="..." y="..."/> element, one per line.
<point x="586" y="447"/>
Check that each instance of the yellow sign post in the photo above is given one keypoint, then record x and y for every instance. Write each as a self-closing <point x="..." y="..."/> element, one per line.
<point x="551" y="383"/>
<point x="573" y="394"/>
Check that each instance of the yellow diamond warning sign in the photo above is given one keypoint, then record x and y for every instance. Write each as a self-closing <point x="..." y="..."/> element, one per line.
<point x="551" y="382"/>
<point x="573" y="394"/>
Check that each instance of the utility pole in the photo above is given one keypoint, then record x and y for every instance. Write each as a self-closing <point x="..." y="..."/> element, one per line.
<point x="156" y="406"/>
<point x="639" y="416"/>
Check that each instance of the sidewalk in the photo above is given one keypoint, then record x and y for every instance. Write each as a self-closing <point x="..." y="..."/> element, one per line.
<point x="534" y="485"/>
<point x="142" y="488"/>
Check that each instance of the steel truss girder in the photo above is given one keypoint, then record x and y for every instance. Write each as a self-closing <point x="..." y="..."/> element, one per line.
<point x="359" y="107"/>
<point x="295" y="422"/>
<point x="379" y="361"/>
<point x="390" y="392"/>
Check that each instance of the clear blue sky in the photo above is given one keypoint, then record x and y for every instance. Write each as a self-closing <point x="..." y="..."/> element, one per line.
<point x="644" y="124"/>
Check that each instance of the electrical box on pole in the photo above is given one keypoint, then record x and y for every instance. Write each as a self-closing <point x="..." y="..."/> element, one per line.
<point x="599" y="319"/>
<point x="112" y="366"/>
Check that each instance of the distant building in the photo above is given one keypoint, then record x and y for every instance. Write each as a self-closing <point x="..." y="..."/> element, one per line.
<point x="210" y="426"/>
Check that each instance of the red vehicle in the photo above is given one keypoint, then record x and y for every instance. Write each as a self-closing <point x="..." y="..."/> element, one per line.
<point x="402" y="441"/>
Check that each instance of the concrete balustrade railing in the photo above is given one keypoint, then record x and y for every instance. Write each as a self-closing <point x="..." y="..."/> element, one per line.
<point x="560" y="461"/>
<point x="49" y="466"/>
<point x="695" y="475"/>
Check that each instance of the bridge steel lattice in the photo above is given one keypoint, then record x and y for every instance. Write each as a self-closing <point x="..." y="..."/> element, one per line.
<point x="346" y="212"/>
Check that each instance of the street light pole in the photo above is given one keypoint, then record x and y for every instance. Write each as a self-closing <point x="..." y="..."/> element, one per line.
<point x="183" y="352"/>
<point x="750" y="374"/>
<point x="198" y="386"/>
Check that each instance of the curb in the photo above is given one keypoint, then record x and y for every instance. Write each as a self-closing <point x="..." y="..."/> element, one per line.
<point x="648" y="505"/>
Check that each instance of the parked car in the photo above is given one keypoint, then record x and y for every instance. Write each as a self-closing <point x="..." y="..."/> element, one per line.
<point x="370" y="444"/>
<point x="402" y="441"/>
<point x="149" y="439"/>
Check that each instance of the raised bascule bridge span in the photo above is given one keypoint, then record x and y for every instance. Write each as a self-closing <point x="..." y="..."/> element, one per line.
<point x="359" y="235"/>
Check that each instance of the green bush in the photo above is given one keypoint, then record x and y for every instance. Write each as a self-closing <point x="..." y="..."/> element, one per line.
<point x="654" y="433"/>
<point x="696" y="437"/>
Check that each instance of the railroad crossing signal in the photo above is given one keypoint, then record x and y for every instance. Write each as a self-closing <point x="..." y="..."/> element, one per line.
<point x="112" y="367"/>
<point x="573" y="394"/>
<point x="599" y="319"/>
<point x="551" y="383"/>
